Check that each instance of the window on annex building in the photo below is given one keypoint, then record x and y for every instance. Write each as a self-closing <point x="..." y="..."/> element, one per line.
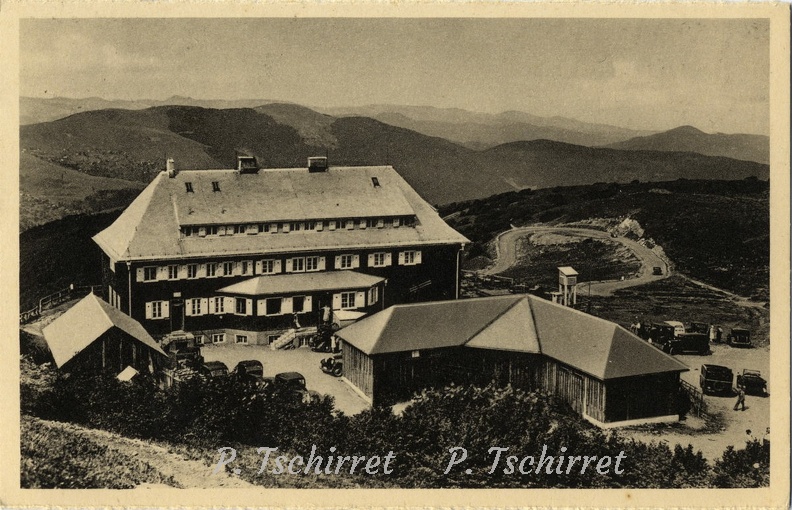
<point x="211" y="269"/>
<point x="273" y="306"/>
<point x="173" y="272"/>
<point x="228" y="268"/>
<point x="149" y="274"/>
<point x="245" y="267"/>
<point x="218" y="338"/>
<point x="192" y="270"/>
<point x="347" y="300"/>
<point x="241" y="339"/>
<point x="345" y="262"/>
<point x="219" y="305"/>
<point x="373" y="295"/>
<point x="156" y="310"/>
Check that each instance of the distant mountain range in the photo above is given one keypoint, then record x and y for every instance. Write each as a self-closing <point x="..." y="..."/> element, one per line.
<point x="689" y="139"/>
<point x="485" y="130"/>
<point x="132" y="145"/>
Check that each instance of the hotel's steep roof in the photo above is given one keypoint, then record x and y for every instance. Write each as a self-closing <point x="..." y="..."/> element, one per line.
<point x="150" y="228"/>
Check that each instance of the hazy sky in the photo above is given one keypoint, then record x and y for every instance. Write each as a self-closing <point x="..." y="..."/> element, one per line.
<point x="645" y="74"/>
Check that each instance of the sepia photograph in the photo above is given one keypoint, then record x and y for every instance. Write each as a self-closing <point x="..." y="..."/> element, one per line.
<point x="392" y="252"/>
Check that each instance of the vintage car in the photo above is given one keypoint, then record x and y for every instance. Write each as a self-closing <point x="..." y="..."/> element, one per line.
<point x="333" y="365"/>
<point x="716" y="379"/>
<point x="660" y="333"/>
<point x="679" y="328"/>
<point x="697" y="327"/>
<point x="751" y="381"/>
<point x="293" y="384"/>
<point x="739" y="337"/>
<point x="688" y="342"/>
<point x="212" y="369"/>
<point x="250" y="371"/>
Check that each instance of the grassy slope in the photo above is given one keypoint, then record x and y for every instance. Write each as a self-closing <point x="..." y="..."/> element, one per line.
<point x="49" y="192"/>
<point x="54" y="255"/>
<point x="713" y="230"/>
<point x="60" y="456"/>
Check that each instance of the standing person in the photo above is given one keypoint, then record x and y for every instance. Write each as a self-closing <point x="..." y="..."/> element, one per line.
<point x="712" y="333"/>
<point x="740" y="399"/>
<point x="719" y="335"/>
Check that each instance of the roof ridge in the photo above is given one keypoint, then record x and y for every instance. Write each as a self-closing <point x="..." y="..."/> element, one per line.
<point x="488" y="324"/>
<point x="445" y="301"/>
<point x="533" y="321"/>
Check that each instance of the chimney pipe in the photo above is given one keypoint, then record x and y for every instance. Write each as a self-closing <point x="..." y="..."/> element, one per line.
<point x="170" y="166"/>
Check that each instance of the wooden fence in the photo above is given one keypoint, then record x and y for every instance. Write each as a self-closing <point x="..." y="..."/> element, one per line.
<point x="57" y="298"/>
<point x="698" y="405"/>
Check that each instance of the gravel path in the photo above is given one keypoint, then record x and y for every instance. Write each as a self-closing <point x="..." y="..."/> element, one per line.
<point x="506" y="246"/>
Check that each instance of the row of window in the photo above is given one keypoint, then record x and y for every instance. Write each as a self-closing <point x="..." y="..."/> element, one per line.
<point x="220" y="305"/>
<point x="285" y="227"/>
<point x="271" y="266"/>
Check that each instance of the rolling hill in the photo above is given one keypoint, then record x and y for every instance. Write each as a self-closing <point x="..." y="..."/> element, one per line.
<point x="716" y="231"/>
<point x="133" y="145"/>
<point x="477" y="130"/>
<point x="689" y="139"/>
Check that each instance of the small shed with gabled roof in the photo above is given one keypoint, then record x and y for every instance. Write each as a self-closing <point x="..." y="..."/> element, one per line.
<point x="92" y="335"/>
<point x="603" y="371"/>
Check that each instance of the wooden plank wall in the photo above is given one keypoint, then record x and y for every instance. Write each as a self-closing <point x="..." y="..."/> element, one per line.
<point x="359" y="369"/>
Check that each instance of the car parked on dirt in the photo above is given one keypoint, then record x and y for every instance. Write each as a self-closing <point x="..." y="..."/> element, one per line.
<point x="751" y="381"/>
<point x="660" y="333"/>
<point x="292" y="383"/>
<point x="679" y="328"/>
<point x="697" y="327"/>
<point x="716" y="379"/>
<point x="688" y="342"/>
<point x="213" y="369"/>
<point x="739" y="337"/>
<point x="333" y="365"/>
<point x="250" y="371"/>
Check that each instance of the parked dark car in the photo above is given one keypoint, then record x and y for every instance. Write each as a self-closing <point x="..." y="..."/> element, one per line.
<point x="688" y="342"/>
<point x="250" y="371"/>
<point x="716" y="379"/>
<point x="660" y="333"/>
<point x="333" y="365"/>
<point x="212" y="369"/>
<point x="751" y="381"/>
<point x="739" y="337"/>
<point x="697" y="327"/>
<point x="294" y="384"/>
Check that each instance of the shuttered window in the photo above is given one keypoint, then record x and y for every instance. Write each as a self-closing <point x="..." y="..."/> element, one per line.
<point x="157" y="310"/>
<point x="409" y="258"/>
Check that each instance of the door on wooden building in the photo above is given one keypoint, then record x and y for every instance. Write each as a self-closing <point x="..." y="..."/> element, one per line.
<point x="569" y="387"/>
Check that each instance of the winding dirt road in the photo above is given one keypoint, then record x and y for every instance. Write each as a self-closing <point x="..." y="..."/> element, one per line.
<point x="506" y="246"/>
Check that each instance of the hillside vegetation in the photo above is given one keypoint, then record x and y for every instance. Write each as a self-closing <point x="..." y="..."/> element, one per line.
<point x="199" y="415"/>
<point x="715" y="231"/>
<point x="133" y="145"/>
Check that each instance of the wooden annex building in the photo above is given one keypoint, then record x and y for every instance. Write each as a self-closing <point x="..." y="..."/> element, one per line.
<point x="94" y="336"/>
<point x="605" y="373"/>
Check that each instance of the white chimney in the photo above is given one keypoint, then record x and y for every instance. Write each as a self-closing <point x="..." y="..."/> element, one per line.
<point x="170" y="166"/>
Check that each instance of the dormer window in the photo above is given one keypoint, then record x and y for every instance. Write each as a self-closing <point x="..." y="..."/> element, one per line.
<point x="215" y="186"/>
<point x="189" y="187"/>
<point x="375" y="182"/>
